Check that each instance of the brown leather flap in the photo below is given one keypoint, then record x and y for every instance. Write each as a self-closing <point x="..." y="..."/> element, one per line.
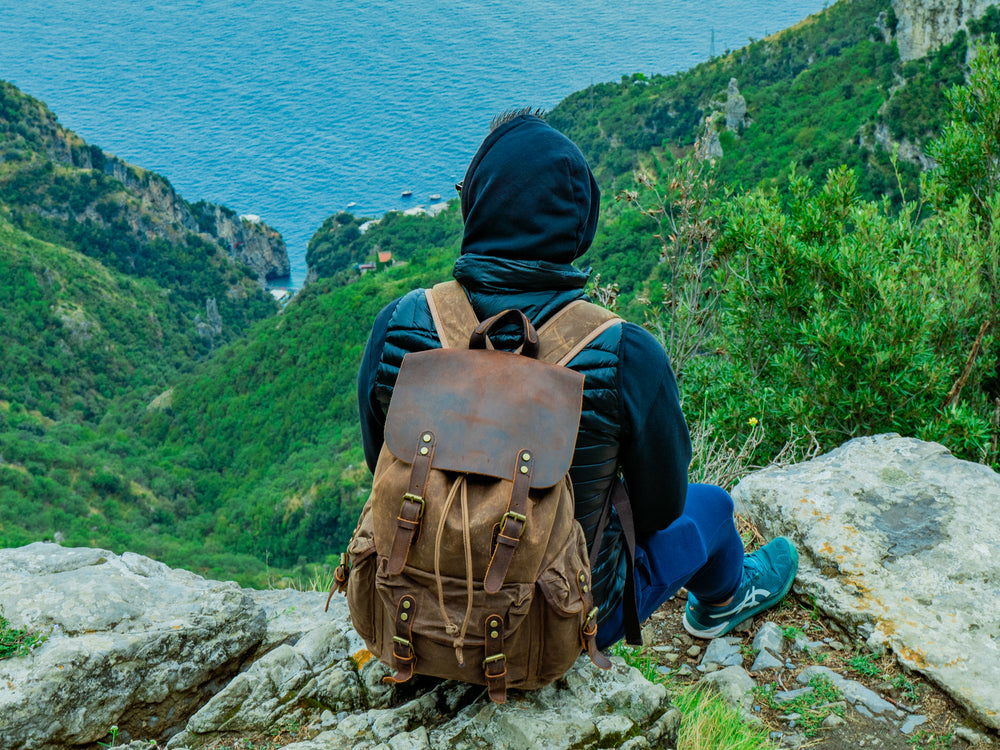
<point x="485" y="407"/>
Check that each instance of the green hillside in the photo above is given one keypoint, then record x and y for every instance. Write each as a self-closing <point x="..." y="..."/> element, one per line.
<point x="254" y="456"/>
<point x="56" y="188"/>
<point x="111" y="287"/>
<point x="814" y="96"/>
<point x="75" y="334"/>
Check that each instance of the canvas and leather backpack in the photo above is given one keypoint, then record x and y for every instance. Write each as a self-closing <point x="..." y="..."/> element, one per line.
<point x="467" y="562"/>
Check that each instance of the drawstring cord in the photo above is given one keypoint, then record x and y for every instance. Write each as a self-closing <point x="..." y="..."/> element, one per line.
<point x="451" y="628"/>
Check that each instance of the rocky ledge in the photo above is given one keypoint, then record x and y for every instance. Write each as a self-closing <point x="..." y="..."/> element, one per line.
<point x="899" y="542"/>
<point x="163" y="654"/>
<point x="897" y="547"/>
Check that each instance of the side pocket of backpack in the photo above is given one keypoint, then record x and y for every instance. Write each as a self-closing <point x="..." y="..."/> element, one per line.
<point x="565" y="599"/>
<point x="361" y="579"/>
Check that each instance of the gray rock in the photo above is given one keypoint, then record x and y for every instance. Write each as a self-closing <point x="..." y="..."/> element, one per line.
<point x="562" y="715"/>
<point x="970" y="735"/>
<point x="911" y="723"/>
<point x="611" y="726"/>
<point x="769" y="637"/>
<point x="736" y="107"/>
<point x="864" y="711"/>
<point x="893" y="546"/>
<point x="571" y="712"/>
<point x="783" y="696"/>
<point x="636" y="743"/>
<point x="418" y="739"/>
<point x="143" y="647"/>
<point x="735" y="686"/>
<point x="803" y="645"/>
<point x="665" y="729"/>
<point x="833" y="720"/>
<point x="854" y="692"/>
<point x="320" y="669"/>
<point x="131" y="643"/>
<point x="724" y="652"/>
<point x="712" y="146"/>
<point x="765" y="660"/>
<point x="290" y="614"/>
<point x="924" y="25"/>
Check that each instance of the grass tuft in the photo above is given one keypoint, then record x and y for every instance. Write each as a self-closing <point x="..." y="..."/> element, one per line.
<point x="707" y="722"/>
<point x="17" y="641"/>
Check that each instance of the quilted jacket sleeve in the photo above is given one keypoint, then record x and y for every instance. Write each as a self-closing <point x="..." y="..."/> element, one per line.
<point x="656" y="447"/>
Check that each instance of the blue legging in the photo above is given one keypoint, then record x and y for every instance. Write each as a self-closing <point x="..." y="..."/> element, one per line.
<point x="701" y="551"/>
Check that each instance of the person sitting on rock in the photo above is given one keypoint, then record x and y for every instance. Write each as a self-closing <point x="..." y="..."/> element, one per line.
<point x="530" y="204"/>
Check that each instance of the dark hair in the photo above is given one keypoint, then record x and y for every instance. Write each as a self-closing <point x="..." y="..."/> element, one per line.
<point x="510" y="114"/>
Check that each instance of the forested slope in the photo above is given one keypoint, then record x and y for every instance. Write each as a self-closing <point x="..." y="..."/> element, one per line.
<point x="111" y="287"/>
<point x="56" y="188"/>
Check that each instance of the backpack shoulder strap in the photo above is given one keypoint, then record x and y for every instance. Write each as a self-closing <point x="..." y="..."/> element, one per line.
<point x="453" y="315"/>
<point x="562" y="337"/>
<point x="568" y="332"/>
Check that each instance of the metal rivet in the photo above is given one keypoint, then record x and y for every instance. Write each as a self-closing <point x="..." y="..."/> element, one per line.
<point x="404" y="616"/>
<point x="427" y="437"/>
<point x="526" y="456"/>
<point x="495" y="624"/>
<point x="406" y="604"/>
<point x="494" y="634"/>
<point x="524" y="469"/>
<point x="424" y="451"/>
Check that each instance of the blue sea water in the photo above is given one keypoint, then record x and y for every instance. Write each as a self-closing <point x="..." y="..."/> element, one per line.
<point x="292" y="109"/>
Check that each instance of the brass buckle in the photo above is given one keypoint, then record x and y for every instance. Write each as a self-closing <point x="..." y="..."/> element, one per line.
<point x="491" y="659"/>
<point x="403" y="642"/>
<point x="517" y="517"/>
<point x="413" y="499"/>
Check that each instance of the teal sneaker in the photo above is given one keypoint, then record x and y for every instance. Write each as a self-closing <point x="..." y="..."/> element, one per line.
<point x="768" y="575"/>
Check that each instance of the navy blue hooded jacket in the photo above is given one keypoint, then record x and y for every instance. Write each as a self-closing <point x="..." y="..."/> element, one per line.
<point x="530" y="205"/>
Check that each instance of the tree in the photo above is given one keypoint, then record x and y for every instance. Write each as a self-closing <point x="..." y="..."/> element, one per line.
<point x="968" y="151"/>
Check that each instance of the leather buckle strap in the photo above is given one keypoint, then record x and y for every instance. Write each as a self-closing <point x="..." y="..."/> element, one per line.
<point x="403" y="655"/>
<point x="617" y="497"/>
<point x="495" y="663"/>
<point x="411" y="510"/>
<point x="588" y="637"/>
<point x="588" y="630"/>
<point x="511" y="525"/>
<point x="340" y="575"/>
<point x="516" y="521"/>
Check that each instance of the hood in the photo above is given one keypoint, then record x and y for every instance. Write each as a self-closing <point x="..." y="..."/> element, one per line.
<point x="529" y="195"/>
